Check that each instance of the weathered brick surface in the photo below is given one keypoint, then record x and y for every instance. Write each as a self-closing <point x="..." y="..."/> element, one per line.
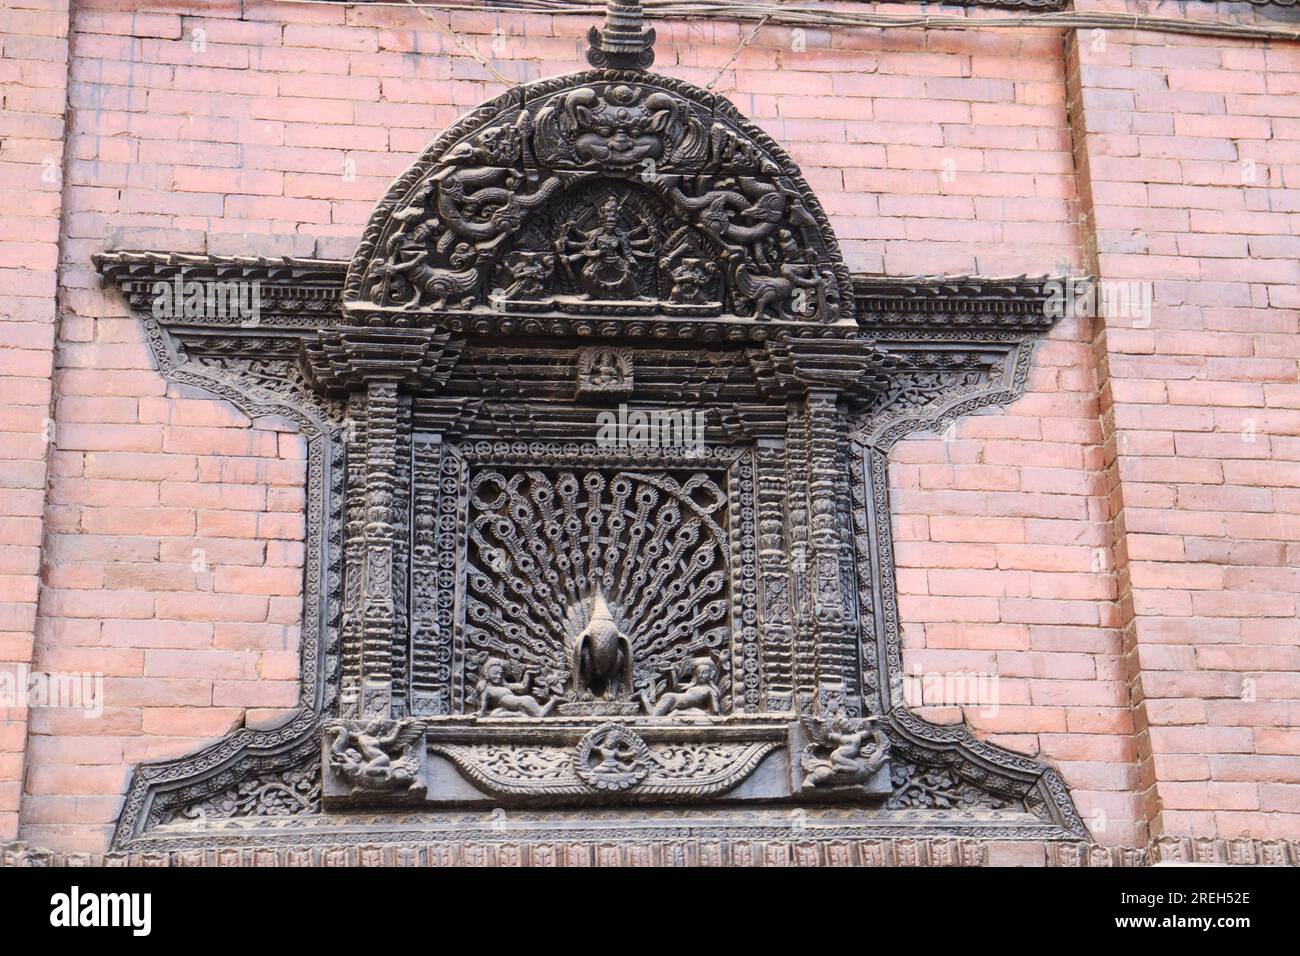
<point x="1111" y="548"/>
<point x="33" y="92"/>
<point x="1192" y="162"/>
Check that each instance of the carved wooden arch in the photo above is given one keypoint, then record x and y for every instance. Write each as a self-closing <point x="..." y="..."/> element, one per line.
<point x="735" y="194"/>
<point x="771" y="683"/>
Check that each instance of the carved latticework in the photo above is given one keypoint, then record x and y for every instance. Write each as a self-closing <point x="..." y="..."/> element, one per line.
<point x="543" y="543"/>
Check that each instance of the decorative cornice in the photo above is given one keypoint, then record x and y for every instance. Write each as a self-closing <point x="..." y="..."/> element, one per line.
<point x="795" y="849"/>
<point x="346" y="358"/>
<point x="308" y="292"/>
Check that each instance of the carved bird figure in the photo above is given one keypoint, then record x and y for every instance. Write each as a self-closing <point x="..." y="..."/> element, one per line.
<point x="602" y="655"/>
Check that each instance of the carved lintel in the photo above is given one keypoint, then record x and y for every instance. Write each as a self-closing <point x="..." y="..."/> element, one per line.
<point x="541" y="763"/>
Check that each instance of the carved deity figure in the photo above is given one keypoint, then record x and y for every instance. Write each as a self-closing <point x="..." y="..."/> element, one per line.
<point x="529" y="273"/>
<point x="699" y="696"/>
<point x="605" y="371"/>
<point x="843" y="752"/>
<point x="602" y="656"/>
<point x="691" y="278"/>
<point x="496" y="693"/>
<point x="603" y="258"/>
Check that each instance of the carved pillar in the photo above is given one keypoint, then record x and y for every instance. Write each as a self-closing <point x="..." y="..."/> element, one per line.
<point x="775" y="618"/>
<point x="827" y="482"/>
<point x="373" y="367"/>
<point x="378" y="612"/>
<point x="354" y="586"/>
<point x="805" y="638"/>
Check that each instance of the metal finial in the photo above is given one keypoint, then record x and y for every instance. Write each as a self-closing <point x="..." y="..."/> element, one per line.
<point x="621" y="44"/>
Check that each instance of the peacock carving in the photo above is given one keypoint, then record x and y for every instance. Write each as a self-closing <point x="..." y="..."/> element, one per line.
<point x="609" y="578"/>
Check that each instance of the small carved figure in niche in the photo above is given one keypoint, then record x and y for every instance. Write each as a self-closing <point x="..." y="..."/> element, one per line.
<point x="691" y="279"/>
<point x="529" y="273"/>
<point x="602" y="259"/>
<point x="604" y="371"/>
<point x="843" y="751"/>
<point x="495" y="693"/>
<point x="602" y="657"/>
<point x="699" y="696"/>
<point x="382" y="755"/>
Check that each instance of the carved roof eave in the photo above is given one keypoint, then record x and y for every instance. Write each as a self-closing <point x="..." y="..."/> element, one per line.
<point x="305" y="294"/>
<point x="974" y="304"/>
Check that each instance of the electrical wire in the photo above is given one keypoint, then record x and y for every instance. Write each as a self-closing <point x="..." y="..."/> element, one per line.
<point x="809" y="16"/>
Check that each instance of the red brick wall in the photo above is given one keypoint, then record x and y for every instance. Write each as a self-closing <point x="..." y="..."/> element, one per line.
<point x="1192" y="149"/>
<point x="33" y="94"/>
<point x="173" y="524"/>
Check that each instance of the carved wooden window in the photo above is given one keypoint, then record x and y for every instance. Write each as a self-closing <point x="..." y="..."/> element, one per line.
<point x="505" y="607"/>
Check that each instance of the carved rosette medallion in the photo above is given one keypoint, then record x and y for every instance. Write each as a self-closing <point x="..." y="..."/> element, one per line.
<point x="611" y="757"/>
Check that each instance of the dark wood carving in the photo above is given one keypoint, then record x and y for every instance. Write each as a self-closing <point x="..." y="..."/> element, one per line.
<point x="598" y="425"/>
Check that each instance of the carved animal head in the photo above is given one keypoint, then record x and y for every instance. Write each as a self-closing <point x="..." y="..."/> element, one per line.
<point x="602" y="623"/>
<point x="619" y="129"/>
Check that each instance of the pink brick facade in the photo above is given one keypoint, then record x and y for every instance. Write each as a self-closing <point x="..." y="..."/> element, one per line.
<point x="1119" y="546"/>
